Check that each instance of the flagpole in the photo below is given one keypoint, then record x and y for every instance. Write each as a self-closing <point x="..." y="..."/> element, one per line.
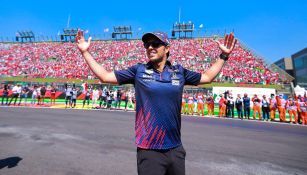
<point x="179" y="14"/>
<point x="68" y="21"/>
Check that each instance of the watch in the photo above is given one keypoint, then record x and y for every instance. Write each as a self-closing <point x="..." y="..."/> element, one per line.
<point x="224" y="56"/>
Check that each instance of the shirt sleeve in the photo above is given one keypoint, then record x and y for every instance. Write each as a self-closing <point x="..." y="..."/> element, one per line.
<point x="126" y="76"/>
<point x="191" y="77"/>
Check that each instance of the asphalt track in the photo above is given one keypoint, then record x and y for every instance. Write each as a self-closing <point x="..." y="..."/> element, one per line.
<point x="44" y="141"/>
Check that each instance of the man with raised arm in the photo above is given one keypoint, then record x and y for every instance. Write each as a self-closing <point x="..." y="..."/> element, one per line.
<point x="158" y="91"/>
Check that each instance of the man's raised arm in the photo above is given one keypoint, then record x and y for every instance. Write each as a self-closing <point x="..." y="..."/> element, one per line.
<point x="226" y="49"/>
<point x="104" y="75"/>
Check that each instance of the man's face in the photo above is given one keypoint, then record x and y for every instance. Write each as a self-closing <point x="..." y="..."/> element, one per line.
<point x="155" y="49"/>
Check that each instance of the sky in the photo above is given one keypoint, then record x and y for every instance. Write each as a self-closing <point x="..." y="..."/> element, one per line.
<point x="274" y="29"/>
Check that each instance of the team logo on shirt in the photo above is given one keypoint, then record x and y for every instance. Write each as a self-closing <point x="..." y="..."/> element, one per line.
<point x="174" y="75"/>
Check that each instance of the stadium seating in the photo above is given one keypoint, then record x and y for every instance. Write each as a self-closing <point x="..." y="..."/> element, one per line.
<point x="63" y="60"/>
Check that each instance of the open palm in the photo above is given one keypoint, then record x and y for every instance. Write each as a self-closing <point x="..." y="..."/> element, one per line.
<point x="81" y="43"/>
<point x="229" y="44"/>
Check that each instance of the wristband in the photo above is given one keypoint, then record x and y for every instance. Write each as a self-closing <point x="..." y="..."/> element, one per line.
<point x="224" y="57"/>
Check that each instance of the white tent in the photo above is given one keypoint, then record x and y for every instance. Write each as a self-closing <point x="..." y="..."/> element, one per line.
<point x="299" y="90"/>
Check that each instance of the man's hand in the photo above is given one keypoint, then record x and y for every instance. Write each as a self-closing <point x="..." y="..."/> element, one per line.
<point x="81" y="43"/>
<point x="229" y="44"/>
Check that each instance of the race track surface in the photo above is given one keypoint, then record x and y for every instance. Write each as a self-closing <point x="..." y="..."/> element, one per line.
<point x="44" y="141"/>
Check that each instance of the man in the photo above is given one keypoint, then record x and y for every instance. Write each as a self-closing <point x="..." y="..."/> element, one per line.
<point x="183" y="104"/>
<point x="119" y="99"/>
<point x="239" y="105"/>
<point x="230" y="106"/>
<point x="5" y="94"/>
<point x="74" y="95"/>
<point x="103" y="98"/>
<point x="124" y="98"/>
<point x="222" y="106"/>
<point x="281" y="106"/>
<point x="87" y="92"/>
<point x="68" y="94"/>
<point x="38" y="95"/>
<point x="292" y="106"/>
<point x="273" y="106"/>
<point x="95" y="98"/>
<point x="43" y="93"/>
<point x="200" y="104"/>
<point x="52" y="94"/>
<point x="16" y="91"/>
<point x="246" y="105"/>
<point x="190" y="104"/>
<point x="34" y="94"/>
<point x="265" y="108"/>
<point x="210" y="104"/>
<point x="24" y="94"/>
<point x="302" y="108"/>
<point x="158" y="91"/>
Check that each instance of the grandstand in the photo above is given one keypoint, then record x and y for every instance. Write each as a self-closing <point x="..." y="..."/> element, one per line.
<point x="63" y="60"/>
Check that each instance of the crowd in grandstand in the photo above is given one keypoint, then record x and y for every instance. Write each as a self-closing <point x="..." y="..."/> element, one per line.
<point x="200" y="104"/>
<point x="63" y="60"/>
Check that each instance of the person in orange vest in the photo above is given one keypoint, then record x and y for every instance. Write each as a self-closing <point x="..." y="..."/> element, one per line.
<point x="281" y="106"/>
<point x="292" y="107"/>
<point x="190" y="104"/>
<point x="222" y="106"/>
<point x="183" y="104"/>
<point x="256" y="107"/>
<point x="302" y="109"/>
<point x="273" y="107"/>
<point x="210" y="104"/>
<point x="200" y="104"/>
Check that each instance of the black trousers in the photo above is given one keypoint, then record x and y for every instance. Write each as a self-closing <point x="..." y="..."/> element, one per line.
<point x="240" y="113"/>
<point x="247" y="111"/>
<point x="266" y="113"/>
<point x="68" y="100"/>
<point x="14" y="96"/>
<point x="5" y="96"/>
<point x="161" y="162"/>
<point x="86" y="98"/>
<point x="230" y="111"/>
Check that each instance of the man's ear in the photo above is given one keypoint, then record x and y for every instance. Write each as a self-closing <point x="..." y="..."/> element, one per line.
<point x="167" y="48"/>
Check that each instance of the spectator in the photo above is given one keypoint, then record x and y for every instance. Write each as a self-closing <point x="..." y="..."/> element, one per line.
<point x="230" y="106"/>
<point x="43" y="93"/>
<point x="68" y="94"/>
<point x="16" y="91"/>
<point x="24" y="94"/>
<point x="265" y="108"/>
<point x="246" y="105"/>
<point x="74" y="97"/>
<point x="257" y="107"/>
<point x="239" y="106"/>
<point x="52" y="95"/>
<point x="5" y="94"/>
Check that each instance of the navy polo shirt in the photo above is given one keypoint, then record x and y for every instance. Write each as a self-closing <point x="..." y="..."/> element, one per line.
<point x="158" y="102"/>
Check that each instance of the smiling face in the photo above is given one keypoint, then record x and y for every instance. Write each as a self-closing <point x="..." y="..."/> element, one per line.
<point x="156" y="50"/>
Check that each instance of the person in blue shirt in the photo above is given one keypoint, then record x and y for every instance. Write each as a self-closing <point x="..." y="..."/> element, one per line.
<point x="158" y="92"/>
<point x="246" y="106"/>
